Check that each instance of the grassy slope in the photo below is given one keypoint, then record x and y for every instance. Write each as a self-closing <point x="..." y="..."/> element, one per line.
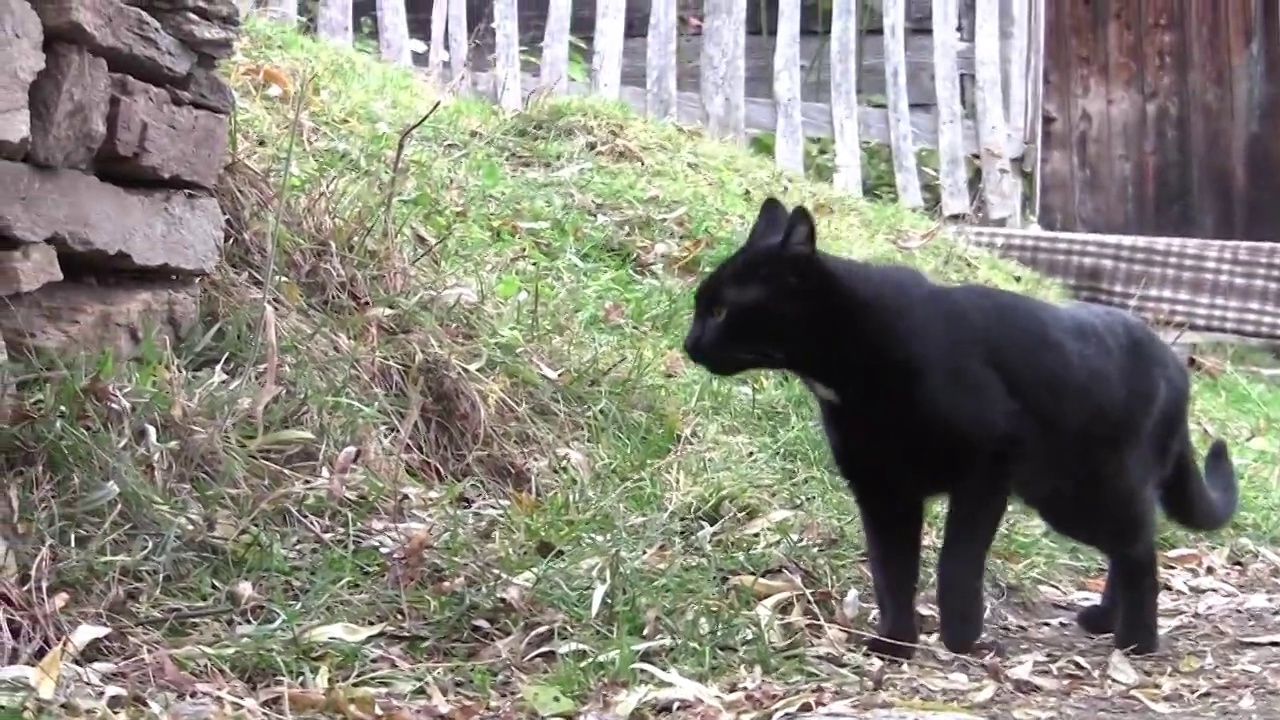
<point x="631" y="473"/>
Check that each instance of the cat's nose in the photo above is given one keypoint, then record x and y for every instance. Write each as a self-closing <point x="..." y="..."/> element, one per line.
<point x="691" y="344"/>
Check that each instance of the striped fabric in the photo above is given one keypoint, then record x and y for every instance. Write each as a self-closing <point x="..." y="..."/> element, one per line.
<point x="1220" y="286"/>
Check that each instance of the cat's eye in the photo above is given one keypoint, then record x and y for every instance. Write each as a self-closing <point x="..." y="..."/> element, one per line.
<point x="718" y="312"/>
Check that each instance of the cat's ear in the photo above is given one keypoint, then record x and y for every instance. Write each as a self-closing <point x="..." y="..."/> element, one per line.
<point x="770" y="222"/>
<point x="800" y="237"/>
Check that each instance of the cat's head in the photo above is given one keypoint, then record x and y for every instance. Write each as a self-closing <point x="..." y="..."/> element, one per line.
<point x="754" y="308"/>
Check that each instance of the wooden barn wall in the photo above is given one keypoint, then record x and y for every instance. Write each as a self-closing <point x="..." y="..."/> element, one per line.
<point x="1162" y="118"/>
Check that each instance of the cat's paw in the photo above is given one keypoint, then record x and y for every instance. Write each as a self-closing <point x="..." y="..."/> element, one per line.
<point x="960" y="637"/>
<point x="1138" y="641"/>
<point x="1097" y="619"/>
<point x="891" y="648"/>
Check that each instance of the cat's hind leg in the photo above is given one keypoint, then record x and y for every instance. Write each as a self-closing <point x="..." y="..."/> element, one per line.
<point x="892" y="527"/>
<point x="1100" y="618"/>
<point x="1133" y="573"/>
<point x="1121" y="524"/>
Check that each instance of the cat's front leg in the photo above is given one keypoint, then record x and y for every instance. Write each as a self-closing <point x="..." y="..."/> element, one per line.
<point x="892" y="527"/>
<point x="973" y="517"/>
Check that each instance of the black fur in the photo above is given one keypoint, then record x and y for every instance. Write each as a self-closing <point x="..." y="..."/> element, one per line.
<point x="977" y="393"/>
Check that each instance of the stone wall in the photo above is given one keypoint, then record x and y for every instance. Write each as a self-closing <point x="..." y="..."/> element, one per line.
<point x="113" y="131"/>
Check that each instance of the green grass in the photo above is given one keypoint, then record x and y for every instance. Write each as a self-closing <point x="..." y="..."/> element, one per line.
<point x="539" y="470"/>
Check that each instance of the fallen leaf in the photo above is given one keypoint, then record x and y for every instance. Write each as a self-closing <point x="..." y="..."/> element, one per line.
<point x="686" y="687"/>
<point x="271" y="363"/>
<point x="765" y="522"/>
<point x="778" y="631"/>
<point x="346" y="632"/>
<point x="8" y="563"/>
<point x="597" y="594"/>
<point x="546" y="371"/>
<point x="628" y="701"/>
<point x="59" y="601"/>
<point x="1272" y="639"/>
<point x="277" y="80"/>
<point x="673" y="364"/>
<point x="345" y="460"/>
<point x="1024" y="674"/>
<point x="458" y="295"/>
<point x="985" y="694"/>
<point x="304" y="700"/>
<point x="766" y="587"/>
<point x="1183" y="556"/>
<point x="241" y="593"/>
<point x="850" y="605"/>
<point x="47" y="673"/>
<point x="579" y="461"/>
<point x="614" y="313"/>
<point x="1154" y="705"/>
<point x="1120" y="670"/>
<point x="658" y="556"/>
<point x="49" y="670"/>
<point x="547" y="701"/>
<point x="82" y="636"/>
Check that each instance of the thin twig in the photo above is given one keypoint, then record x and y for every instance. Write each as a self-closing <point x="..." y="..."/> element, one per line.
<point x="181" y="615"/>
<point x="401" y="144"/>
<point x="273" y="232"/>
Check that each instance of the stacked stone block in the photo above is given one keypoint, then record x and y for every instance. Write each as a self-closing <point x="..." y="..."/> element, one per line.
<point x="113" y="131"/>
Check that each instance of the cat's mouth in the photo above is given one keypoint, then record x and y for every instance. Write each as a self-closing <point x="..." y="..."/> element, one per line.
<point x="737" y="362"/>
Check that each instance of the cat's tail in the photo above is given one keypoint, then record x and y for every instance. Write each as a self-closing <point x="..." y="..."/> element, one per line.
<point x="1201" y="502"/>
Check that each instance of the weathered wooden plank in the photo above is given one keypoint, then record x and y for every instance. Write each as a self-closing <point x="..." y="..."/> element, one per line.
<point x="1013" y="71"/>
<point x="459" y="40"/>
<point x="1241" y="67"/>
<point x="761" y="115"/>
<point x="606" y="53"/>
<point x="660" y="59"/>
<point x="1015" y="24"/>
<point x="1125" y="116"/>
<point x="1209" y="96"/>
<point x="1260" y="212"/>
<point x="436" y="50"/>
<point x="333" y="21"/>
<point x="844" y="98"/>
<point x="967" y="39"/>
<point x="506" y="66"/>
<point x="553" y="69"/>
<point x="816" y="17"/>
<point x="723" y="74"/>
<point x="788" y="146"/>
<point x="1058" y="187"/>
<point x="1092" y="130"/>
<point x="1034" y="136"/>
<point x="393" y="33"/>
<point x="953" y="176"/>
<point x="282" y="11"/>
<point x="993" y="132"/>
<point x="1163" y="97"/>
<point x="906" y="173"/>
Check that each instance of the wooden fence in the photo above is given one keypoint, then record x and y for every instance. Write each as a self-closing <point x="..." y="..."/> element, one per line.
<point x="999" y="68"/>
<point x="988" y="66"/>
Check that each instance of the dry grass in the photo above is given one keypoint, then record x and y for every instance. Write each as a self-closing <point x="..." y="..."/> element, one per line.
<point x="434" y="443"/>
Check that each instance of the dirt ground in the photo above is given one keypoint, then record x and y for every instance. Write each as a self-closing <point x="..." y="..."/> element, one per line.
<point x="1219" y="656"/>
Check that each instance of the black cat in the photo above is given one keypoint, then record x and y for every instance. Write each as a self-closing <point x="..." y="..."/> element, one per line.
<point x="977" y="393"/>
